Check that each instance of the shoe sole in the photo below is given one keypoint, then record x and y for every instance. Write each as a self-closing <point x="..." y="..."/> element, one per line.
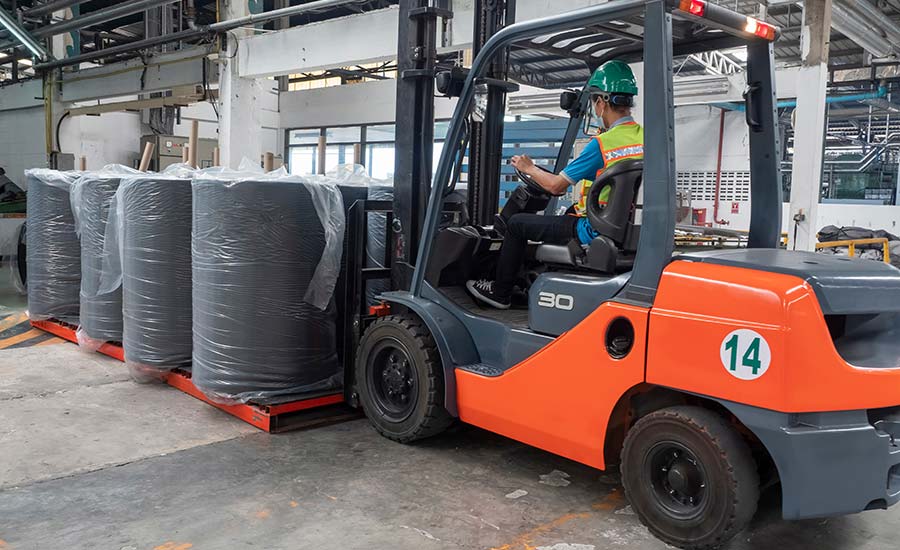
<point x="481" y="297"/>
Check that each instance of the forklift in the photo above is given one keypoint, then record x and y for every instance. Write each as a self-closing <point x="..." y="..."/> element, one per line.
<point x="705" y="376"/>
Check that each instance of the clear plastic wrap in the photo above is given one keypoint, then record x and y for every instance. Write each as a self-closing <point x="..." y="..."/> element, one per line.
<point x="148" y="253"/>
<point x="355" y="184"/>
<point x="266" y="253"/>
<point x="53" y="250"/>
<point x="101" y="312"/>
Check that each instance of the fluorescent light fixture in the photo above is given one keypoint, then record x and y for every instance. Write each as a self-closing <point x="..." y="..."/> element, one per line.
<point x="22" y="35"/>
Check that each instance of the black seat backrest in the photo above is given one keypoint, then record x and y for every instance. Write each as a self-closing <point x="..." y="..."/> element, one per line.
<point x="624" y="180"/>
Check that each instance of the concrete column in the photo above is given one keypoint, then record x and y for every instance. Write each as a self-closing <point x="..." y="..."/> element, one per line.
<point x="809" y="127"/>
<point x="239" y="118"/>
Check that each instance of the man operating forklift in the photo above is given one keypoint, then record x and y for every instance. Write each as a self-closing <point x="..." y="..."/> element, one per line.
<point x="612" y="88"/>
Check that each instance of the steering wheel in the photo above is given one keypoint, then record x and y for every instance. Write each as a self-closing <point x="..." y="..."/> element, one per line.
<point x="533" y="186"/>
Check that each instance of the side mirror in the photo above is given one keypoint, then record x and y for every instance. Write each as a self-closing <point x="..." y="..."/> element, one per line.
<point x="450" y="83"/>
<point x="568" y="100"/>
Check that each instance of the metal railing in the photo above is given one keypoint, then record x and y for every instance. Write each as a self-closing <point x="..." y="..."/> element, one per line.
<point x="851" y="245"/>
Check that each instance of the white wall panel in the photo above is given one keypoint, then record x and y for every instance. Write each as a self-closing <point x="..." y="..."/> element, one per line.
<point x="367" y="103"/>
<point x="365" y="38"/>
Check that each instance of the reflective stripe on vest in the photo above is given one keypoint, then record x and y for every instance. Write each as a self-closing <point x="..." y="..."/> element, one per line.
<point x="621" y="142"/>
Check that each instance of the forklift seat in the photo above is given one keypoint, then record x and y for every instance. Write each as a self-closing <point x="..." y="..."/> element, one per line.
<point x="615" y="223"/>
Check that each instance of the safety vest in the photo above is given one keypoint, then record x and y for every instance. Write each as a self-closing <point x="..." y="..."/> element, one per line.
<point x="621" y="142"/>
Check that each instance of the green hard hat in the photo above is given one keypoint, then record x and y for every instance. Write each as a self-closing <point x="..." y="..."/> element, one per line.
<point x="614" y="77"/>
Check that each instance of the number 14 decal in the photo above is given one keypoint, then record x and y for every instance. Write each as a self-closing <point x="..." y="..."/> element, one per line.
<point x="745" y="354"/>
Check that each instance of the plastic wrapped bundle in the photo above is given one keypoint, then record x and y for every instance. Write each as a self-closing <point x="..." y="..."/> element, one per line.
<point x="149" y="245"/>
<point x="101" y="312"/>
<point x="53" y="251"/>
<point x="355" y="184"/>
<point x="266" y="256"/>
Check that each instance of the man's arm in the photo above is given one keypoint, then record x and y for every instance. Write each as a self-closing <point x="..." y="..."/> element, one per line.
<point x="582" y="168"/>
<point x="555" y="184"/>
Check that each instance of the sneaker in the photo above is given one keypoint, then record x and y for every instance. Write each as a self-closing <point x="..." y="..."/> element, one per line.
<point x="483" y="290"/>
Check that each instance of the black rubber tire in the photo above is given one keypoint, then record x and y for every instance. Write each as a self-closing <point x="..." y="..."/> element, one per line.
<point x="429" y="417"/>
<point x="731" y="477"/>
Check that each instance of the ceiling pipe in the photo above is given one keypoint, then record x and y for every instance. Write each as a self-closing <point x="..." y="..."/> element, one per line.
<point x="881" y="92"/>
<point x="275" y="14"/>
<point x="49" y="7"/>
<point x="197" y="32"/>
<point x="94" y="18"/>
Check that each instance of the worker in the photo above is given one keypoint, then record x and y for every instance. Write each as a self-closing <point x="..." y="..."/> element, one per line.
<point x="612" y="88"/>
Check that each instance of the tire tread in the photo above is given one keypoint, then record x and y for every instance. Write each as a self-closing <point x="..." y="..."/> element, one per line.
<point x="733" y="452"/>
<point x="436" y="418"/>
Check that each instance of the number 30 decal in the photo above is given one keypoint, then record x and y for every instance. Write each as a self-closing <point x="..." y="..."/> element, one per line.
<point x="745" y="354"/>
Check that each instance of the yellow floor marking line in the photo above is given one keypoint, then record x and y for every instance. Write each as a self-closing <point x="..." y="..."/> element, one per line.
<point x="12" y="320"/>
<point x="611" y="501"/>
<point x="525" y="541"/>
<point x="20" y="338"/>
<point x="52" y="341"/>
<point x="174" y="546"/>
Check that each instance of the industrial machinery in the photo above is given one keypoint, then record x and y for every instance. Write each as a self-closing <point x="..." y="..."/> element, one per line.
<point x="705" y="376"/>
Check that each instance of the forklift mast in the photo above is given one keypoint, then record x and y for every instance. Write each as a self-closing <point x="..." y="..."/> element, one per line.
<point x="414" y="130"/>
<point x="486" y="145"/>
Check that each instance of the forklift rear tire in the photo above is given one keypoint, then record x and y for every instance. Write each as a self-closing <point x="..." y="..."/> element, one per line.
<point x="400" y="379"/>
<point x="690" y="477"/>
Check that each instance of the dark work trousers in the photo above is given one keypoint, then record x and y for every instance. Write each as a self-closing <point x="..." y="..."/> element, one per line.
<point x="520" y="229"/>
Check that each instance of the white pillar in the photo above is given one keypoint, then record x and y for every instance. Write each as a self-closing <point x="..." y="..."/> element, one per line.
<point x="809" y="126"/>
<point x="239" y="117"/>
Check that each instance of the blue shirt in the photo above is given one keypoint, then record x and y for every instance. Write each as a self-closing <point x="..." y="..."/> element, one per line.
<point x="585" y="167"/>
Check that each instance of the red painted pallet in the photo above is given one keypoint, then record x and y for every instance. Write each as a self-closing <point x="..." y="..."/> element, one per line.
<point x="303" y="413"/>
<point x="67" y="332"/>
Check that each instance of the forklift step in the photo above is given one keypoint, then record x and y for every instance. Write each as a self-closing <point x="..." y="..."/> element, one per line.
<point x="483" y="370"/>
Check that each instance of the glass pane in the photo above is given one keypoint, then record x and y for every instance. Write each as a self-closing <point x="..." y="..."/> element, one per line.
<point x="335" y="155"/>
<point x="303" y="137"/>
<point x="380" y="133"/>
<point x="436" y="156"/>
<point x="349" y="134"/>
<point x="302" y="160"/>
<point x="440" y="130"/>
<point x="380" y="160"/>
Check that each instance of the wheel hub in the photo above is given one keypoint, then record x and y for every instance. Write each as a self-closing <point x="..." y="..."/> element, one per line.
<point x="393" y="381"/>
<point x="685" y="478"/>
<point x="677" y="478"/>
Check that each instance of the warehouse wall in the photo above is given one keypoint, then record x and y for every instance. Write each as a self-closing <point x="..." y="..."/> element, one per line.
<point x="22" y="141"/>
<point x="367" y="103"/>
<point x="112" y="138"/>
<point x="696" y="146"/>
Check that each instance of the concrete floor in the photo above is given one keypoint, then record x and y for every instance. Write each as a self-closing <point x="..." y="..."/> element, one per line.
<point x="88" y="459"/>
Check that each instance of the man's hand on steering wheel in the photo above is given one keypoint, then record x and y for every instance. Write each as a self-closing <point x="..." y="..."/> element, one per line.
<point x="522" y="163"/>
<point x="538" y="178"/>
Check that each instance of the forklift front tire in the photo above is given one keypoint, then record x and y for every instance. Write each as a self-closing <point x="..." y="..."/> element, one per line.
<point x="400" y="379"/>
<point x="689" y="477"/>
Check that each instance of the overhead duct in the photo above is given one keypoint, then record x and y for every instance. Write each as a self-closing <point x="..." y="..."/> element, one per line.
<point x="852" y="24"/>
<point x="878" y="18"/>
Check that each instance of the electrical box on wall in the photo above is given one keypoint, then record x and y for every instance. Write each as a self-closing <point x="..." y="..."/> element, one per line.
<point x="168" y="150"/>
